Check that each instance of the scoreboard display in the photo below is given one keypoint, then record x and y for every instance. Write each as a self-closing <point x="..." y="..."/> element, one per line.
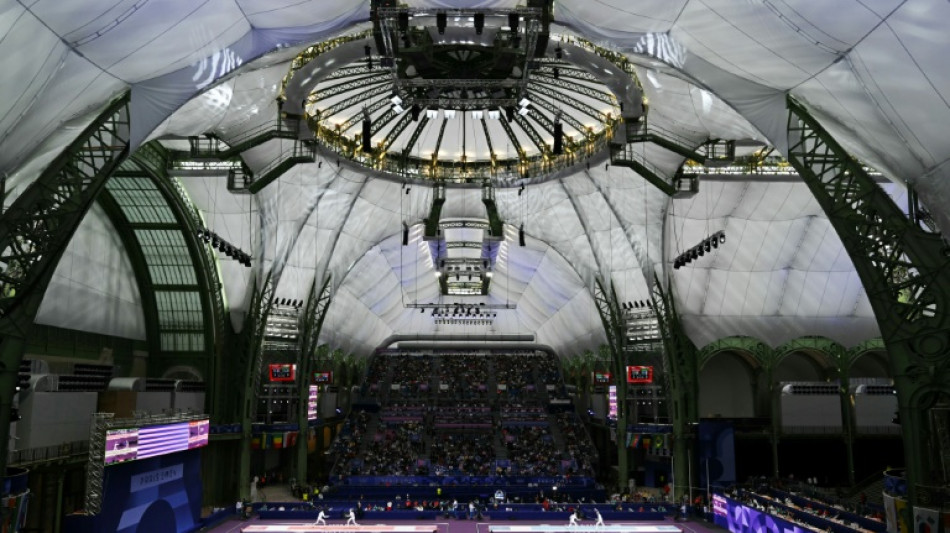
<point x="282" y="372"/>
<point x="639" y="374"/>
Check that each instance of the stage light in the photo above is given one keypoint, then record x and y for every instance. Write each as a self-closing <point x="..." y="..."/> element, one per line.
<point x="396" y="100"/>
<point x="524" y="102"/>
<point x="477" y="115"/>
<point x="524" y="111"/>
<point x="398" y="109"/>
<point x="432" y="114"/>
<point x="440" y="22"/>
<point x="494" y="114"/>
<point x="449" y="113"/>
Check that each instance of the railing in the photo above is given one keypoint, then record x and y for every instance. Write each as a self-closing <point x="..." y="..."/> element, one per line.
<point x="48" y="453"/>
<point x="415" y="168"/>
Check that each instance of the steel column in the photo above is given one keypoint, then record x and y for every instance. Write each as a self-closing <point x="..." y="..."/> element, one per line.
<point x="903" y="270"/>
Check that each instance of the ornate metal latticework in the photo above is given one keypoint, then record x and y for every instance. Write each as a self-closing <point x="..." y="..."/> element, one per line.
<point x="317" y="305"/>
<point x="250" y="362"/>
<point x="903" y="270"/>
<point x="682" y="374"/>
<point x="36" y="228"/>
<point x="611" y="315"/>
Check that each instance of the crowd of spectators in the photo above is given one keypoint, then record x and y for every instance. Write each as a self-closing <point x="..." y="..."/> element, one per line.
<point x="395" y="451"/>
<point x="456" y="431"/>
<point x="462" y="453"/>
<point x="462" y="377"/>
<point x="410" y="374"/>
<point x="783" y="506"/>
<point x="532" y="451"/>
<point x="514" y="375"/>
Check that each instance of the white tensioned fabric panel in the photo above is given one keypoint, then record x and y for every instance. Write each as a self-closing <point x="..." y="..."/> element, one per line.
<point x="93" y="287"/>
<point x="230" y="216"/>
<point x="691" y="112"/>
<point x="781" y="271"/>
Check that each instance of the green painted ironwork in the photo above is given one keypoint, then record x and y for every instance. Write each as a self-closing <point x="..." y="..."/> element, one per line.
<point x="318" y="302"/>
<point x="609" y="310"/>
<point x="35" y="230"/>
<point x="682" y="371"/>
<point x="250" y="361"/>
<point x="903" y="269"/>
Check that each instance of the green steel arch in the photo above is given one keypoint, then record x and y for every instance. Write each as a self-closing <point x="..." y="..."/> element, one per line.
<point x="827" y="352"/>
<point x="752" y="350"/>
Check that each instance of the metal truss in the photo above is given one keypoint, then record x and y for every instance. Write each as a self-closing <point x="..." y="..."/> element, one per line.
<point x="423" y="121"/>
<point x="532" y="133"/>
<point x="354" y="84"/>
<point x="514" y="140"/>
<point x="561" y="97"/>
<point x="349" y="72"/>
<point x="374" y="107"/>
<point x="393" y="12"/>
<point x="903" y="269"/>
<point x="397" y="130"/>
<point x="381" y="122"/>
<point x="250" y="363"/>
<point x="564" y="70"/>
<point x="34" y="231"/>
<point x="609" y="310"/>
<point x="566" y="117"/>
<point x="356" y="100"/>
<point x="438" y="141"/>
<point x="577" y="88"/>
<point x="318" y="303"/>
<point x="682" y="374"/>
<point x="463" y="104"/>
<point x="491" y="149"/>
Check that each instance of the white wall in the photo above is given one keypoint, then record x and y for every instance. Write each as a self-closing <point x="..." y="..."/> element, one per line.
<point x="51" y="418"/>
<point x="725" y="388"/>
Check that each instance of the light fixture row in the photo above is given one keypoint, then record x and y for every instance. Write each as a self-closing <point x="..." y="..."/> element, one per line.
<point x="707" y="245"/>
<point x="224" y="246"/>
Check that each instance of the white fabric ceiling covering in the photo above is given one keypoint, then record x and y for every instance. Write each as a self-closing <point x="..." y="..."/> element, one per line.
<point x="873" y="73"/>
<point x="93" y="287"/>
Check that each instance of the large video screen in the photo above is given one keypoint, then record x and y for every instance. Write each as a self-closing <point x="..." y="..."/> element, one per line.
<point x="312" y="403"/>
<point x="129" y="444"/>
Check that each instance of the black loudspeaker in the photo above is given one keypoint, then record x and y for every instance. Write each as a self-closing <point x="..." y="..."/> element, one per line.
<point x="521" y="235"/>
<point x="403" y="21"/>
<point x="415" y="110"/>
<point x="479" y="23"/>
<point x="440" y="21"/>
<point x="513" y="19"/>
<point x="510" y="113"/>
<point x="558" y="138"/>
<point x="367" y="135"/>
<point x="405" y="234"/>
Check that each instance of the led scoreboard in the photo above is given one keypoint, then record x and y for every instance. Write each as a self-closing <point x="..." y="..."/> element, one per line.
<point x="639" y="374"/>
<point x="129" y="444"/>
<point x="282" y="372"/>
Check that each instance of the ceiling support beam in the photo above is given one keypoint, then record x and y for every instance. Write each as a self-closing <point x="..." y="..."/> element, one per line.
<point x="318" y="302"/>
<point x="903" y="269"/>
<point x="250" y="362"/>
<point x="682" y="372"/>
<point x="35" y="231"/>
<point x="611" y="316"/>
